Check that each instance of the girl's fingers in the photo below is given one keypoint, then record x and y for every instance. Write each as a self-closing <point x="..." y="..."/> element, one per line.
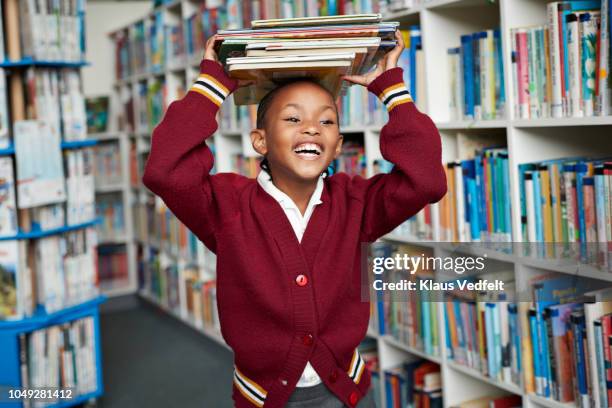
<point x="355" y="79"/>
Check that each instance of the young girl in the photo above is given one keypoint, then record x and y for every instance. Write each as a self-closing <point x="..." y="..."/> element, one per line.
<point x="288" y="244"/>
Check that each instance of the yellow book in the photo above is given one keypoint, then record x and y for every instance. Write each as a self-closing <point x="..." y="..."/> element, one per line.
<point x="547" y="216"/>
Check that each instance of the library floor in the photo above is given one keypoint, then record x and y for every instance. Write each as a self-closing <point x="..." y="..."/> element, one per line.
<point x="152" y="360"/>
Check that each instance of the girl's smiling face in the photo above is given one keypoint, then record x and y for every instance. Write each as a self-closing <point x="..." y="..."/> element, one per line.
<point x="300" y="136"/>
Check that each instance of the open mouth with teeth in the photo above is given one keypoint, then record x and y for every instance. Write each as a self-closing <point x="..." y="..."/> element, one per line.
<point x="309" y="151"/>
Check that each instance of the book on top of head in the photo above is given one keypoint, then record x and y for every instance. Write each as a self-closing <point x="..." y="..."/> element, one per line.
<point x="322" y="49"/>
<point x="309" y="21"/>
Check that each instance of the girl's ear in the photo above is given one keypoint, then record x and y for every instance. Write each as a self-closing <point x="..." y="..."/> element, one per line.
<point x="338" y="149"/>
<point x="258" y="140"/>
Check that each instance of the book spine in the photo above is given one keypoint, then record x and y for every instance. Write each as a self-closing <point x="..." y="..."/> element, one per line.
<point x="537" y="355"/>
<point x="541" y="72"/>
<point x="500" y="81"/>
<point x="589" y="23"/>
<point x="601" y="379"/>
<point x="603" y="63"/>
<point x="467" y="56"/>
<point x="533" y="87"/>
<point x="530" y="208"/>
<point x="477" y="75"/>
<point x="515" y="77"/>
<point x="606" y="325"/>
<point x="551" y="355"/>
<point x="522" y="74"/>
<point x="574" y="65"/>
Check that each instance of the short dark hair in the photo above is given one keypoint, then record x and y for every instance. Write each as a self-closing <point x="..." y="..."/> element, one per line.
<point x="267" y="100"/>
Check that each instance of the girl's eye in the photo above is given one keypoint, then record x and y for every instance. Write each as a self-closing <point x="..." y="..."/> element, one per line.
<point x="292" y="119"/>
<point x="328" y="122"/>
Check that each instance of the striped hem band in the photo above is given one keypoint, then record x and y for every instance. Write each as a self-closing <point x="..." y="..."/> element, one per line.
<point x="210" y="88"/>
<point x="249" y="389"/>
<point x="356" y="368"/>
<point x="395" y="95"/>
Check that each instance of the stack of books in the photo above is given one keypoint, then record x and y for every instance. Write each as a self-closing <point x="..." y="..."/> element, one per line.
<point x="320" y="48"/>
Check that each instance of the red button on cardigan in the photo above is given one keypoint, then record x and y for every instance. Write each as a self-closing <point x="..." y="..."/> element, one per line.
<point x="353" y="398"/>
<point x="301" y="280"/>
<point x="307" y="340"/>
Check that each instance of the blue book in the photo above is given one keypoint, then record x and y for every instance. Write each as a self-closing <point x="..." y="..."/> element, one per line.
<point x="522" y="169"/>
<point x="476" y="72"/>
<point x="448" y="340"/>
<point x="506" y="195"/>
<point x="537" y="196"/>
<point x="537" y="360"/>
<point x="460" y="327"/>
<point x="490" y="339"/>
<point x="515" y="343"/>
<point x="601" y="368"/>
<point x="480" y="191"/>
<point x="500" y="88"/>
<point x="467" y="59"/>
<point x="564" y="9"/>
<point x="578" y="323"/>
<point x="581" y="170"/>
<point x="556" y="290"/>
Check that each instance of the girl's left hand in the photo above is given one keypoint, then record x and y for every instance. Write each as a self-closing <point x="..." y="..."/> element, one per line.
<point x="388" y="62"/>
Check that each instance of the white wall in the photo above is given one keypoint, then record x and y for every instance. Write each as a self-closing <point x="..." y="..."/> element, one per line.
<point x="102" y="18"/>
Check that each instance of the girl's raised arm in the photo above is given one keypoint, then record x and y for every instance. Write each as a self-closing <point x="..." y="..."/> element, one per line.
<point x="179" y="164"/>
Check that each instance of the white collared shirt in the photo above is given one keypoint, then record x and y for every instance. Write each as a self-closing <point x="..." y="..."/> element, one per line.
<point x="298" y="222"/>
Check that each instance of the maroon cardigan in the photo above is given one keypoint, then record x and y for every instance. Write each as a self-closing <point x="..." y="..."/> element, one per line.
<point x="283" y="303"/>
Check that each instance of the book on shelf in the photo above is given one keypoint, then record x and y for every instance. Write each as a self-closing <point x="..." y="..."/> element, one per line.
<point x="16" y="296"/>
<point x="477" y="205"/>
<point x="411" y="320"/>
<point x="565" y="201"/>
<point x="107" y="164"/>
<point x="40" y="172"/>
<point x="557" y="337"/>
<point x="113" y="266"/>
<point x="97" y="111"/>
<point x="415" y="384"/>
<point x="109" y="207"/>
<point x="351" y="160"/>
<point x="80" y="200"/>
<point x="482" y="329"/>
<point x="8" y="205"/>
<point x="476" y="77"/>
<point x="44" y="31"/>
<point x="65" y="269"/>
<point x="561" y="69"/>
<point x="60" y="357"/>
<point x="48" y="274"/>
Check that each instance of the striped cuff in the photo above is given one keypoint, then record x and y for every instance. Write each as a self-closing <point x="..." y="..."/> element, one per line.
<point x="210" y="88"/>
<point x="357" y="367"/>
<point x="390" y="88"/>
<point x="395" y="95"/>
<point x="249" y="389"/>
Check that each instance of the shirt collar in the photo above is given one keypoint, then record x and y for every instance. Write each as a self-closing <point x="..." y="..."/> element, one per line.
<point x="264" y="180"/>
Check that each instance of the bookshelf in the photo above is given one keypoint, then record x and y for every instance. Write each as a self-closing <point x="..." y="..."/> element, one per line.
<point x="49" y="271"/>
<point x="162" y="260"/>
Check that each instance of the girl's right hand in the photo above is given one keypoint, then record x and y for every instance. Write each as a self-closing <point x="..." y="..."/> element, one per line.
<point x="209" y="49"/>
<point x="211" y="55"/>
